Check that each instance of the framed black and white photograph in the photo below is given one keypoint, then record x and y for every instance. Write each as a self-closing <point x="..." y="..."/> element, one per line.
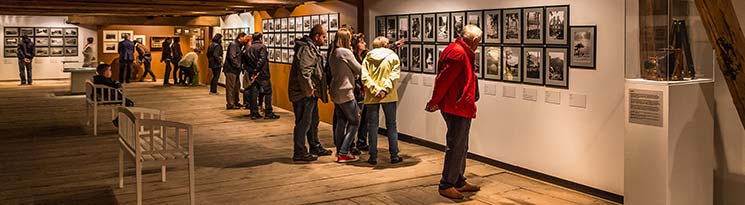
<point x="429" y="59"/>
<point x="331" y="36"/>
<point x="291" y="39"/>
<point x="512" y="24"/>
<point x="299" y="24"/>
<point x="156" y="43"/>
<point x="11" y="41"/>
<point x="278" y="40"/>
<point x="390" y="28"/>
<point x="278" y="55"/>
<point x="533" y="25"/>
<point x="583" y="45"/>
<point x="325" y="21"/>
<point x="57" y="42"/>
<point x="511" y="64"/>
<point x="403" y="55"/>
<point x="41" y="32"/>
<point x="334" y="22"/>
<point x="443" y="28"/>
<point x="533" y="61"/>
<point x="71" y="51"/>
<point x="111" y="47"/>
<point x="439" y="48"/>
<point x="285" y="25"/>
<point x="307" y="23"/>
<point x="477" y="62"/>
<point x="429" y="28"/>
<point x="315" y="20"/>
<point x="110" y="35"/>
<point x="415" y="33"/>
<point x="557" y="25"/>
<point x="292" y="55"/>
<point x="492" y="62"/>
<point x="291" y="24"/>
<point x="557" y="69"/>
<point x="285" y="55"/>
<point x="57" y="51"/>
<point x="71" y="41"/>
<point x="264" y="25"/>
<point x="458" y="20"/>
<point x="42" y="41"/>
<point x="298" y="35"/>
<point x="139" y="38"/>
<point x="380" y="26"/>
<point x="12" y="31"/>
<point x="403" y="27"/>
<point x="416" y="58"/>
<point x="27" y="32"/>
<point x="10" y="52"/>
<point x="70" y="32"/>
<point x="123" y="33"/>
<point x="286" y="40"/>
<point x="492" y="25"/>
<point x="474" y="17"/>
<point x="42" y="51"/>
<point x="56" y="32"/>
<point x="271" y="55"/>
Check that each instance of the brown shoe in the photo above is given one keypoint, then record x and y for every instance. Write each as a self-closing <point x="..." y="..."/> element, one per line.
<point x="468" y="188"/>
<point x="451" y="193"/>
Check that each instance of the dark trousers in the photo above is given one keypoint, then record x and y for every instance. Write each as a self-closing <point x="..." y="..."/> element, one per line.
<point x="24" y="70"/>
<point x="373" y="111"/>
<point x="362" y="130"/>
<point x="187" y="75"/>
<point x="215" y="78"/>
<point x="232" y="89"/>
<point x="167" y="75"/>
<point x="148" y="70"/>
<point x="125" y="70"/>
<point x="457" y="148"/>
<point x="306" y="125"/>
<point x="176" y="73"/>
<point x="345" y="126"/>
<point x="260" y="91"/>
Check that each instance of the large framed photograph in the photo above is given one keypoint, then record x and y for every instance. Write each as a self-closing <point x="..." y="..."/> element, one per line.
<point x="429" y="28"/>
<point x="557" y="25"/>
<point x="415" y="33"/>
<point x="557" y="69"/>
<point x="429" y="59"/>
<point x="57" y="51"/>
<point x="41" y="32"/>
<point x="403" y="55"/>
<point x="533" y="61"/>
<point x="278" y="55"/>
<point x="403" y="28"/>
<point x="56" y="32"/>
<point x="71" y="51"/>
<point x="533" y="25"/>
<point x="390" y="28"/>
<point x="380" y="26"/>
<point x="443" y="28"/>
<point x="12" y="31"/>
<point x="583" y="45"/>
<point x="324" y="21"/>
<point x="492" y="26"/>
<point x="492" y="62"/>
<point x="512" y="23"/>
<point x="439" y="48"/>
<point x="416" y="58"/>
<point x="71" y="41"/>
<point x="111" y="47"/>
<point x="12" y="42"/>
<point x="57" y="42"/>
<point x="334" y="22"/>
<point x="458" y="20"/>
<point x="41" y="41"/>
<point x="110" y="35"/>
<point x="477" y="62"/>
<point x="511" y="64"/>
<point x="10" y="52"/>
<point x="27" y="32"/>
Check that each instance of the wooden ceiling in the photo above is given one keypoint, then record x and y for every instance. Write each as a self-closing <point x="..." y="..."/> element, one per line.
<point x="139" y="8"/>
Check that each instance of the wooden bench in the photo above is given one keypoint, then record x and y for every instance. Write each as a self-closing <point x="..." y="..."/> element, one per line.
<point x="149" y="139"/>
<point x="102" y="96"/>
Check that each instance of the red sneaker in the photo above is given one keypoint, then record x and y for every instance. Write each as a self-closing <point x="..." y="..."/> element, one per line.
<point x="347" y="158"/>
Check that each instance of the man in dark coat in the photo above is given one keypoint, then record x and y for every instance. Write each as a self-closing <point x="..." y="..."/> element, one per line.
<point x="166" y="58"/>
<point x="176" y="55"/>
<point x="26" y="52"/>
<point x="233" y="63"/>
<point x="126" y="58"/>
<point x="214" y="56"/>
<point x="258" y="59"/>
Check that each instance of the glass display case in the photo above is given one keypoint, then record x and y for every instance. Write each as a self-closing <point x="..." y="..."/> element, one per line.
<point x="667" y="42"/>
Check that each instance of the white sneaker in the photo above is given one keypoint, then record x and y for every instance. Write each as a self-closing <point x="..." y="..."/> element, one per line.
<point x="216" y="94"/>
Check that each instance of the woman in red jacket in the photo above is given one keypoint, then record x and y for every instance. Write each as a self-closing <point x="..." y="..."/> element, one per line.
<point x="455" y="95"/>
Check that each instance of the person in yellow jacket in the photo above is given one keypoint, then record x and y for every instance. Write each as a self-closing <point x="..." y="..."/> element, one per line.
<point x="381" y="70"/>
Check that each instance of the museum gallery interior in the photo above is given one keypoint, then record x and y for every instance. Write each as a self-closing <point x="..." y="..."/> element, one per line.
<point x="574" y="102"/>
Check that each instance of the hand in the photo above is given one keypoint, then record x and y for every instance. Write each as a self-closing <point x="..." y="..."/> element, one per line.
<point x="381" y="94"/>
<point x="312" y="93"/>
<point x="26" y="60"/>
<point x="432" y="108"/>
<point x="400" y="42"/>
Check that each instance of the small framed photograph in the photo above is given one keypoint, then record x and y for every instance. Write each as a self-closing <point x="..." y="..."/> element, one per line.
<point x="380" y="26"/>
<point x="325" y="21"/>
<point x="291" y="39"/>
<point x="12" y="31"/>
<point x="42" y="51"/>
<point x="429" y="59"/>
<point x="12" y="41"/>
<point x="583" y="45"/>
<point x="110" y="35"/>
<point x="415" y="33"/>
<point x="71" y="41"/>
<point x="557" y="69"/>
<point x="71" y="32"/>
<point x="403" y="28"/>
<point x="271" y="55"/>
<point x="492" y="62"/>
<point x="390" y="28"/>
<point x="278" y="40"/>
<point x="416" y="58"/>
<point x="438" y="53"/>
<point x="511" y="64"/>
<point x="492" y="26"/>
<point x="42" y="41"/>
<point x="315" y="20"/>
<point x="156" y="43"/>
<point x="10" y="52"/>
<point x="285" y="24"/>
<point x="533" y="61"/>
<point x="270" y="25"/>
<point x="443" y="28"/>
<point x="475" y="18"/>
<point x="57" y="51"/>
<point x="334" y="22"/>
<point x="178" y="31"/>
<point x="307" y="23"/>
<point x="278" y="55"/>
<point x="56" y="32"/>
<point x="458" y="20"/>
<point x="299" y="24"/>
<point x="285" y="40"/>
<point x="42" y="32"/>
<point x="264" y="25"/>
<point x="71" y="51"/>
<point x="477" y="62"/>
<point x="27" y="32"/>
<point x="291" y="24"/>
<point x="285" y="55"/>
<point x="533" y="25"/>
<point x="557" y="25"/>
<point x="57" y="42"/>
<point x="140" y="38"/>
<point x="511" y="28"/>
<point x="123" y="33"/>
<point x="292" y="55"/>
<point x="403" y="55"/>
<point x="111" y="47"/>
<point x="429" y="28"/>
<point x="332" y="36"/>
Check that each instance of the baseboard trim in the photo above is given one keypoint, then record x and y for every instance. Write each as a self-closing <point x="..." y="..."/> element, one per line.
<point x="517" y="169"/>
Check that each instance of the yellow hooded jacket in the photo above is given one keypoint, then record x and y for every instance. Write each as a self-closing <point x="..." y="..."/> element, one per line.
<point x="380" y="72"/>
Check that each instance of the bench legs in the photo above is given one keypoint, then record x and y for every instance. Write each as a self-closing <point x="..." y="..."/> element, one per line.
<point x="121" y="168"/>
<point x="163" y="172"/>
<point x="191" y="181"/>
<point x="95" y="120"/>
<point x="138" y="170"/>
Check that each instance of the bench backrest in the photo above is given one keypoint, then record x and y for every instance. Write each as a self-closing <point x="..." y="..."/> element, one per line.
<point x="144" y="132"/>
<point x="103" y="94"/>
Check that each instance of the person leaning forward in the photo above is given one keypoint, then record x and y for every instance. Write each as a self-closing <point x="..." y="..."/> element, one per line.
<point x="232" y="69"/>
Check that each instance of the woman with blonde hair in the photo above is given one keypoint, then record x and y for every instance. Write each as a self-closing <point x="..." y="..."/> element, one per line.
<point x="344" y="70"/>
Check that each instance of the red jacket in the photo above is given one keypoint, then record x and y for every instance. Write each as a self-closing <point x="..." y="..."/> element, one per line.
<point x="456" y="86"/>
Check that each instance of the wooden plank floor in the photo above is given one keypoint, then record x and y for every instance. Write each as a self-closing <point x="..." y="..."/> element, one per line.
<point x="49" y="156"/>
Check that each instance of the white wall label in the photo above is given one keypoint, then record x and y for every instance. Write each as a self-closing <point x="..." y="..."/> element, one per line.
<point x="508" y="91"/>
<point x="553" y="97"/>
<point x="645" y="107"/>
<point x="429" y="81"/>
<point x="9" y="61"/>
<point x="578" y="100"/>
<point x="530" y="94"/>
<point x="414" y="79"/>
<point x="490" y="89"/>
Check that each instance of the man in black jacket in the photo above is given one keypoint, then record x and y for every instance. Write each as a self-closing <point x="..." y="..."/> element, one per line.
<point x="166" y="58"/>
<point x="232" y="66"/>
<point x="26" y="51"/>
<point x="258" y="59"/>
<point x="176" y="55"/>
<point x="126" y="50"/>
<point x="214" y="56"/>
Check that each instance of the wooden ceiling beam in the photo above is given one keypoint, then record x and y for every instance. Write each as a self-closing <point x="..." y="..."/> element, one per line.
<point x="159" y="21"/>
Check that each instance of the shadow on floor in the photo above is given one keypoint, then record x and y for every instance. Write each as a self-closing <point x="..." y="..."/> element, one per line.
<point x="88" y="195"/>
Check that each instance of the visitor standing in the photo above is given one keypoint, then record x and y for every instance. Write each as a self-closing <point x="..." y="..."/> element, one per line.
<point x="261" y="88"/>
<point x="344" y="72"/>
<point x="176" y="55"/>
<point x="232" y="70"/>
<point x="145" y="58"/>
<point x="25" y="52"/>
<point x="214" y="56"/>
<point x="126" y="52"/>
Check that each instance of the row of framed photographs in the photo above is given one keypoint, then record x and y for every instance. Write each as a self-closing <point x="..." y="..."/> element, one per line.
<point x="287" y="40"/>
<point x="535" y="65"/>
<point x="300" y="23"/>
<point x="229" y="35"/>
<point x="284" y="55"/>
<point x="43" y="41"/>
<point x="116" y="35"/>
<point x="40" y="31"/>
<point x="46" y="51"/>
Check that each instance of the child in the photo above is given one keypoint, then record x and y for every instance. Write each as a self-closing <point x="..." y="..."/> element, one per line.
<point x="104" y="78"/>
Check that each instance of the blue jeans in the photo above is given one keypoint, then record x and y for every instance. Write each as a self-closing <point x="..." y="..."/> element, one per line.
<point x="24" y="70"/>
<point x="345" y="125"/>
<point x="306" y="125"/>
<point x="256" y="90"/>
<point x="362" y="130"/>
<point x="148" y="70"/>
<point x="168" y="71"/>
<point x="373" y="113"/>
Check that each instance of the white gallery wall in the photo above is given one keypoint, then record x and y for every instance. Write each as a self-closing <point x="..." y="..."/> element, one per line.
<point x="583" y="145"/>
<point x="241" y="20"/>
<point x="43" y="67"/>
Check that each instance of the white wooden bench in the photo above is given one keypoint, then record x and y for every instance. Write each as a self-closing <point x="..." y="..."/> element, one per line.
<point x="151" y="140"/>
<point x="101" y="96"/>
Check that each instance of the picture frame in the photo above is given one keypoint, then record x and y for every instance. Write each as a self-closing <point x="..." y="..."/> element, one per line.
<point x="428" y="27"/>
<point x="380" y="26"/>
<point x="42" y="51"/>
<point x="557" y="67"/>
<point x="57" y="41"/>
<point x="477" y="62"/>
<point x="511" y="27"/>
<point x="429" y="60"/>
<point x="122" y="33"/>
<point x="271" y="55"/>
<point x="291" y="24"/>
<point x="512" y="64"/>
<point x="41" y="41"/>
<point x="534" y="65"/>
<point x="492" y="62"/>
<point x="10" y="52"/>
<point x="285" y="55"/>
<point x="11" y="31"/>
<point x="415" y="28"/>
<point x="71" y="41"/>
<point x="56" y="51"/>
<point x="264" y="25"/>
<point x="156" y="43"/>
<point x="56" y="32"/>
<point x="110" y="35"/>
<point x="533" y="25"/>
<point x="416" y="58"/>
<point x="291" y="39"/>
<point x="334" y="22"/>
<point x="307" y="23"/>
<point x="27" y="32"/>
<point x="325" y="21"/>
<point x="71" y="51"/>
<point x="111" y="47"/>
<point x="176" y="31"/>
<point x="331" y="35"/>
<point x="439" y="48"/>
<point x="292" y="55"/>
<point x="71" y="32"/>
<point x="277" y="55"/>
<point x="403" y="28"/>
<point x="443" y="28"/>
<point x="557" y="25"/>
<point x="141" y="38"/>
<point x="403" y="55"/>
<point x="299" y="24"/>
<point x="475" y="18"/>
<point x="284" y="23"/>
<point x="11" y="42"/>
<point x="41" y="31"/>
<point x="315" y="20"/>
<point x="493" y="26"/>
<point x="584" y="46"/>
<point x="457" y="22"/>
<point x="391" y="25"/>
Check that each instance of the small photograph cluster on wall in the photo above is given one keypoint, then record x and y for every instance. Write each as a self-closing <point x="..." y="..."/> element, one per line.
<point x="49" y="41"/>
<point x="533" y="45"/>
<point x="197" y="36"/>
<point x="280" y="34"/>
<point x="229" y="34"/>
<point x="111" y="39"/>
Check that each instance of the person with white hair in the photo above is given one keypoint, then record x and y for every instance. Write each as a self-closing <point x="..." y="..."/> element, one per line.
<point x="455" y="95"/>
